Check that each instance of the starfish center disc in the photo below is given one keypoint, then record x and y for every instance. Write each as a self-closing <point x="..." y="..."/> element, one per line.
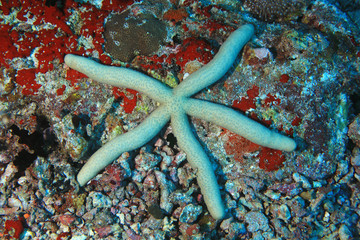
<point x="176" y="104"/>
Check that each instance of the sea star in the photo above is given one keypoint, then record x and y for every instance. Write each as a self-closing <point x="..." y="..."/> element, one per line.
<point x="175" y="104"/>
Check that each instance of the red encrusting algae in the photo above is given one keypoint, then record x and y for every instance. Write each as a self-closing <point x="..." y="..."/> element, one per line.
<point x="129" y="102"/>
<point x="248" y="102"/>
<point x="14" y="228"/>
<point x="26" y="79"/>
<point x="48" y="44"/>
<point x="270" y="159"/>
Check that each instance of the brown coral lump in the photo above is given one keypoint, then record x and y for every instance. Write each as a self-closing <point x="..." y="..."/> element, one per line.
<point x="271" y="11"/>
<point x="127" y="36"/>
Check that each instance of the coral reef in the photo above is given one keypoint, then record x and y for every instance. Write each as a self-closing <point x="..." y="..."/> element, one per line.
<point x="299" y="75"/>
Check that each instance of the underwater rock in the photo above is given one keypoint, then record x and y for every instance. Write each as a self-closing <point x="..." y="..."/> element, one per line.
<point x="127" y="36"/>
<point x="270" y="11"/>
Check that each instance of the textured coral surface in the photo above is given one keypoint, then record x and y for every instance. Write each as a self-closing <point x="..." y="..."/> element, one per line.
<point x="299" y="75"/>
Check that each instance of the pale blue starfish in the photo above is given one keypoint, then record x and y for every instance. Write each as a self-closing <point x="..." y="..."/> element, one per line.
<point x="175" y="105"/>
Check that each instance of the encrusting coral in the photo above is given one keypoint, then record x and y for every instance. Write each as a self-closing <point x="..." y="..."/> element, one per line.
<point x="175" y="104"/>
<point x="270" y="11"/>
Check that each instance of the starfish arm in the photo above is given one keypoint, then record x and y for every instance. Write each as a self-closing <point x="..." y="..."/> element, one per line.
<point x="200" y="162"/>
<point x="123" y="143"/>
<point x="119" y="77"/>
<point x="219" y="65"/>
<point x="239" y="124"/>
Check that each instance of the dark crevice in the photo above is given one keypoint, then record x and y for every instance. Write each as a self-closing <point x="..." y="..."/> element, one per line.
<point x="41" y="143"/>
<point x="171" y="140"/>
<point x="80" y="122"/>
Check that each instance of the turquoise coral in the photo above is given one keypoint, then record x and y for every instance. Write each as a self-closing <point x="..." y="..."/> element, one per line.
<point x="175" y="105"/>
